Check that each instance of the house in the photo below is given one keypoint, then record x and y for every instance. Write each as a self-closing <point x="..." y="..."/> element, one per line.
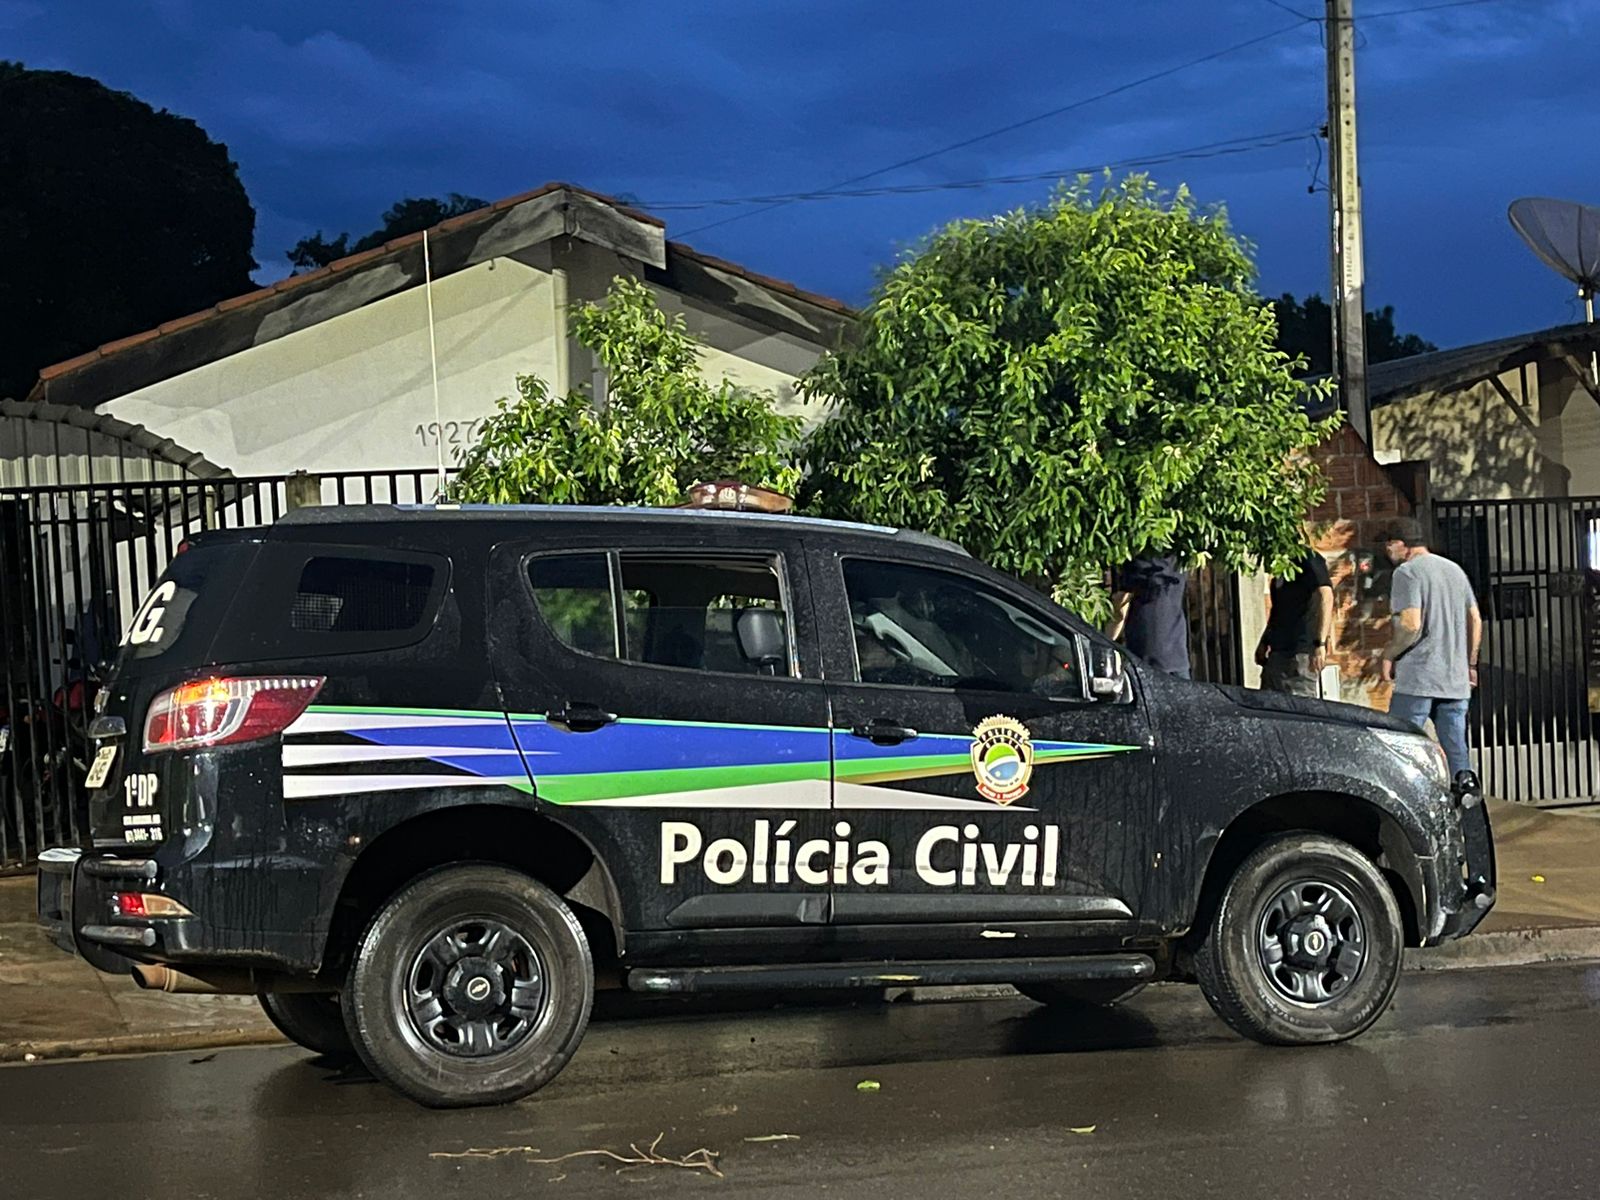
<point x="1499" y="444"/>
<point x="330" y="370"/>
<point x="1513" y="418"/>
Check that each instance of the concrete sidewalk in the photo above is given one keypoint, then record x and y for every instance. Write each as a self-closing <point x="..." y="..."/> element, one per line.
<point x="53" y="1005"/>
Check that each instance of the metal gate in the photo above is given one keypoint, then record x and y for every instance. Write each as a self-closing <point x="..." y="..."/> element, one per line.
<point x="75" y="561"/>
<point x="1215" y="652"/>
<point x="1535" y="565"/>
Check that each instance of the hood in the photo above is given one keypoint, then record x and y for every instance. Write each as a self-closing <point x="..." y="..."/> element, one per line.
<point x="1320" y="710"/>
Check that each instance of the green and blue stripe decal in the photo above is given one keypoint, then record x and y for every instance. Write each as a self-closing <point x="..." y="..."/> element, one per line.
<point x="333" y="751"/>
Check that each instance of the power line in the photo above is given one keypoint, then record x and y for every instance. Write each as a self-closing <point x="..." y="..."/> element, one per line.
<point x="1239" y="145"/>
<point x="1422" y="8"/>
<point x="1026" y="121"/>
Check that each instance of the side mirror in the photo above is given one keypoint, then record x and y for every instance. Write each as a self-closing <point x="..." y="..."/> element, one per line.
<point x="1107" y="673"/>
<point x="761" y="638"/>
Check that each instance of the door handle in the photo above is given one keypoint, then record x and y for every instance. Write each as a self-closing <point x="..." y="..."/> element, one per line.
<point x="882" y="732"/>
<point x="580" y="718"/>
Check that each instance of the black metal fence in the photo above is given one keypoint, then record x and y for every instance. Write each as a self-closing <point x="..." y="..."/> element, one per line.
<point x="1535" y="565"/>
<point x="1215" y="652"/>
<point x="75" y="562"/>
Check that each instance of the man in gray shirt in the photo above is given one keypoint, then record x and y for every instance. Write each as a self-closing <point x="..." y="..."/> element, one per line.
<point x="1434" y="634"/>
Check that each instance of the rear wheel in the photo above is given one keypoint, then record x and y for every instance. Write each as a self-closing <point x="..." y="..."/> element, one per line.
<point x="473" y="985"/>
<point x="1305" y="945"/>
<point x="309" y="1019"/>
<point x="1087" y="993"/>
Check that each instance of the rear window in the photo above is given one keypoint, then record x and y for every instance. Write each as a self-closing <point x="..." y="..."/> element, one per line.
<point x="199" y="579"/>
<point x="309" y="601"/>
<point x="361" y="595"/>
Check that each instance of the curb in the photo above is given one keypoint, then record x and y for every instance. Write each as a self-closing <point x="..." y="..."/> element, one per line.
<point x="1510" y="948"/>
<point x="139" y="1043"/>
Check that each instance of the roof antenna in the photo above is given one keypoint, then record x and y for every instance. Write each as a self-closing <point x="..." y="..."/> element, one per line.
<point x="433" y="363"/>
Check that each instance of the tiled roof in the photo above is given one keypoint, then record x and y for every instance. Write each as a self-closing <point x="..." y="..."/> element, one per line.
<point x="766" y="281"/>
<point x="1401" y="378"/>
<point x="368" y="258"/>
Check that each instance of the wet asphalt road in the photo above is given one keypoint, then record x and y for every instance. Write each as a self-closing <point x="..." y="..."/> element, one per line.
<point x="1478" y="1083"/>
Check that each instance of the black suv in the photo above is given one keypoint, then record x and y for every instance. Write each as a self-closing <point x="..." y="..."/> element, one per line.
<point x="413" y="775"/>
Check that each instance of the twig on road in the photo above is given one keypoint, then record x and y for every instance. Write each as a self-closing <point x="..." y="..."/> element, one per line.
<point x="696" y="1160"/>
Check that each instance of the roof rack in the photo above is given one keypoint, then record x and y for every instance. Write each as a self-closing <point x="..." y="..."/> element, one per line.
<point x="340" y="514"/>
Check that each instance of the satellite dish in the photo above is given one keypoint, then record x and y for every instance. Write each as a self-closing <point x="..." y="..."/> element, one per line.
<point x="1566" y="237"/>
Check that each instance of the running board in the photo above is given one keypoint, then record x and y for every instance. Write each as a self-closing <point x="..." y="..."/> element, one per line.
<point x="785" y="977"/>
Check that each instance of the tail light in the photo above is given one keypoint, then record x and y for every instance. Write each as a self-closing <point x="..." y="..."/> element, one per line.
<point x="225" y="711"/>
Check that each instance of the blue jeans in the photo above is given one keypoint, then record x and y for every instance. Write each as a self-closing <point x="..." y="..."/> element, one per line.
<point x="1449" y="722"/>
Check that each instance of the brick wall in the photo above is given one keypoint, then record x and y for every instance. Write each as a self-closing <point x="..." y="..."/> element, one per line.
<point x="1363" y="497"/>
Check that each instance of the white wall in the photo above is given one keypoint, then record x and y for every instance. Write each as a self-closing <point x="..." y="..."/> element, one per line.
<point x="1477" y="445"/>
<point x="749" y="356"/>
<point x="349" y="394"/>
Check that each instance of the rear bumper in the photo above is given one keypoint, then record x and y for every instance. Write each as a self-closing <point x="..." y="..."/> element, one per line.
<point x="58" y="909"/>
<point x="76" y="911"/>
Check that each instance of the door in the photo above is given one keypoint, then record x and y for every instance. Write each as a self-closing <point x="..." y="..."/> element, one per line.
<point x="966" y="744"/>
<point x="698" y="772"/>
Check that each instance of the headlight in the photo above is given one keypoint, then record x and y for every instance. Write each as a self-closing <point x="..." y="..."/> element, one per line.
<point x="1421" y="755"/>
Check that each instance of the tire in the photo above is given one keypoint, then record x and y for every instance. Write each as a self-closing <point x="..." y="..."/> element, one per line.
<point x="472" y="985"/>
<point x="1273" y="973"/>
<point x="1089" y="993"/>
<point x="309" y="1019"/>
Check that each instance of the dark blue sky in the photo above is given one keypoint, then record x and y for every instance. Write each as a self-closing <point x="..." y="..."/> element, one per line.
<point x="334" y="110"/>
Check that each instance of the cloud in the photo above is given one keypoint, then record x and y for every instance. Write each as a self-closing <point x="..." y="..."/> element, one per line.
<point x="335" y="111"/>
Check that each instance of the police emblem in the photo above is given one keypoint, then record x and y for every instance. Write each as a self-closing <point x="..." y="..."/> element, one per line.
<point x="1002" y="758"/>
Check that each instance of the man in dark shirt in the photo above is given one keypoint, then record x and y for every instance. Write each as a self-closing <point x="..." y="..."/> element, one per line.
<point x="1147" y="613"/>
<point x="1294" y="646"/>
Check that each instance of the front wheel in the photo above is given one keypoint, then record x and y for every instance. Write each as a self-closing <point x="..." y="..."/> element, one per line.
<point x="473" y="985"/>
<point x="1305" y="945"/>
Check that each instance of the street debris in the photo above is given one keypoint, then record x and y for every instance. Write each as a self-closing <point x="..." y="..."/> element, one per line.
<point x="204" y="1058"/>
<point x="650" y="1156"/>
<point x="1084" y="1129"/>
<point x="775" y="1137"/>
<point x="869" y="1085"/>
<point x="1538" y="878"/>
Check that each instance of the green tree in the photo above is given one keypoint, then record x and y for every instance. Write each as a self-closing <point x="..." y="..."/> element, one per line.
<point x="1064" y="388"/>
<point x="408" y="216"/>
<point x="661" y="428"/>
<point x="115" y="217"/>
<point x="1305" y="331"/>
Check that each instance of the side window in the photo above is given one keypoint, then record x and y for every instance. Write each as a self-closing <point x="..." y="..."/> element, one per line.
<point x="922" y="627"/>
<point x="698" y="612"/>
<point x="573" y="594"/>
<point x="685" y="611"/>
<point x="360" y="595"/>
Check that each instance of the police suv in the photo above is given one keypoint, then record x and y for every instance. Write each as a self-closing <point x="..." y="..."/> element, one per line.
<point x="417" y="776"/>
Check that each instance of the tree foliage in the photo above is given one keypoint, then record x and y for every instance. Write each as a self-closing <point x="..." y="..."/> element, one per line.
<point x="115" y="217"/>
<point x="404" y="217"/>
<point x="1305" y="330"/>
<point x="1062" y="389"/>
<point x="661" y="428"/>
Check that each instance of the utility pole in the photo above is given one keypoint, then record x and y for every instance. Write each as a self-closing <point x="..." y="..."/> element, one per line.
<point x="1349" y="266"/>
